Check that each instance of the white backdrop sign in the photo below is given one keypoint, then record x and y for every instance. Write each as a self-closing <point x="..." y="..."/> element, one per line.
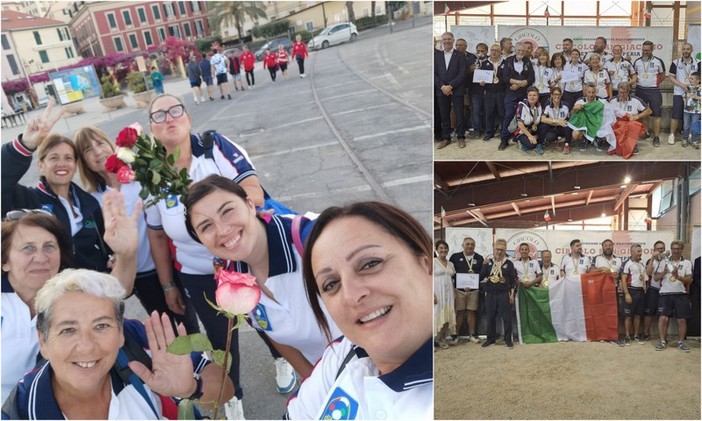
<point x="631" y="38"/>
<point x="474" y="35"/>
<point x="482" y="237"/>
<point x="693" y="37"/>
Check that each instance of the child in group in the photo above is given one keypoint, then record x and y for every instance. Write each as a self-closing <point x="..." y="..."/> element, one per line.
<point x="691" y="114"/>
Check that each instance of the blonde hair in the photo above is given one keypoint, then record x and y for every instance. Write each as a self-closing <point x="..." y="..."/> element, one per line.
<point x="84" y="138"/>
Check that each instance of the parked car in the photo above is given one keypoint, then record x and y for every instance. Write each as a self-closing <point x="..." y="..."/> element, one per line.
<point x="273" y="45"/>
<point x="333" y="35"/>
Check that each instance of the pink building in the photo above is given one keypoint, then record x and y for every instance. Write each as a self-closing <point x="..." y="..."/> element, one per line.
<point x="102" y="28"/>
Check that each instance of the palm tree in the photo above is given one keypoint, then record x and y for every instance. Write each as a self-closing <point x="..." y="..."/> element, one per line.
<point x="238" y="11"/>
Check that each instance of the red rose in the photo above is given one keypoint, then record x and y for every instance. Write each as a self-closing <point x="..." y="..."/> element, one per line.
<point x="127" y="137"/>
<point x="125" y="175"/>
<point x="113" y="164"/>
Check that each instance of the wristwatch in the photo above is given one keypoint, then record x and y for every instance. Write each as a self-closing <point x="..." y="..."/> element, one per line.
<point x="197" y="394"/>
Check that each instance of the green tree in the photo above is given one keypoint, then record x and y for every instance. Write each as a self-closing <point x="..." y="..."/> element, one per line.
<point x="225" y="12"/>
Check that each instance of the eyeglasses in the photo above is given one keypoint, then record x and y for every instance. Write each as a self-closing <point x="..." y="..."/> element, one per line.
<point x="175" y="111"/>
<point x="16" y="214"/>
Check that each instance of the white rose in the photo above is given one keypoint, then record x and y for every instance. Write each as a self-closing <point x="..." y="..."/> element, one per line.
<point x="126" y="155"/>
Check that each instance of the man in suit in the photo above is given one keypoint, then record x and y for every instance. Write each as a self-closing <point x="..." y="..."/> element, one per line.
<point x="449" y="89"/>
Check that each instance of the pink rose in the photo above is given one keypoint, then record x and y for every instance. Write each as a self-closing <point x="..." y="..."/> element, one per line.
<point x="137" y="127"/>
<point x="237" y="293"/>
<point x="125" y="175"/>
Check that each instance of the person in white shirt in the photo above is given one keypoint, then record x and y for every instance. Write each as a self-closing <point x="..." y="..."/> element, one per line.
<point x="573" y="72"/>
<point x="599" y="77"/>
<point x="581" y="134"/>
<point x="550" y="271"/>
<point x="600" y="45"/>
<point x="633" y="283"/>
<point x="528" y="114"/>
<point x="673" y="300"/>
<point x="654" y="270"/>
<point x="370" y="264"/>
<point x="543" y="76"/>
<point x="575" y="263"/>
<point x="680" y="72"/>
<point x="607" y="262"/>
<point x="619" y="69"/>
<point x="649" y="73"/>
<point x="528" y="270"/>
<point x="554" y="121"/>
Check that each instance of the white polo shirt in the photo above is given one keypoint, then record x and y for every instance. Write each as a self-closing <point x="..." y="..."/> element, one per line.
<point x="543" y="76"/>
<point x="570" y="265"/>
<point x="619" y="72"/>
<point x="668" y="286"/>
<point x="557" y="114"/>
<point x="600" y="79"/>
<point x="579" y="69"/>
<point x="526" y="270"/>
<point x="614" y="265"/>
<point x="634" y="106"/>
<point x="20" y="345"/>
<point x="361" y="392"/>
<point x="551" y="274"/>
<point x="682" y="71"/>
<point x="648" y="71"/>
<point x="635" y="273"/>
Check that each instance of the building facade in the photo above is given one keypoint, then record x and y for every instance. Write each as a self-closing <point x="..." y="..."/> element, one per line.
<point x="103" y="28"/>
<point x="57" y="10"/>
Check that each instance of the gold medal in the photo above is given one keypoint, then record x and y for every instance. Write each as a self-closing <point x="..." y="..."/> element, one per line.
<point x="572" y="85"/>
<point x="494" y="279"/>
<point x="645" y="75"/>
<point x="687" y="81"/>
<point x="546" y="283"/>
<point x="641" y="278"/>
<point x="495" y="79"/>
<point x="541" y="87"/>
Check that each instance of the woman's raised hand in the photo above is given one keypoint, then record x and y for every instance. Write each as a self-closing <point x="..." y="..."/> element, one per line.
<point x="39" y="127"/>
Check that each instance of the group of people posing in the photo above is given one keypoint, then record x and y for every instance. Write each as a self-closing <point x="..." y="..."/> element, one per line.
<point x="533" y="96"/>
<point x="659" y="287"/>
<point x="345" y="298"/>
<point x="216" y="66"/>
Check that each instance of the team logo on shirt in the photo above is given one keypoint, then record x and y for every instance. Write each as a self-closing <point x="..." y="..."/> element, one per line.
<point x="261" y="317"/>
<point x="340" y="406"/>
<point x="89" y="223"/>
<point x="48" y="208"/>
<point x="171" y="201"/>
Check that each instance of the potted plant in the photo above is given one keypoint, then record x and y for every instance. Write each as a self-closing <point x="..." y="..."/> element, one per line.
<point x="137" y="84"/>
<point x="111" y="98"/>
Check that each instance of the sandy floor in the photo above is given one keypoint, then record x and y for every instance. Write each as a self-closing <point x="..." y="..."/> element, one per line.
<point x="567" y="381"/>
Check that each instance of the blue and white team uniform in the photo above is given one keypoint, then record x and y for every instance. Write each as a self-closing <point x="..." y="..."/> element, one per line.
<point x="673" y="298"/>
<point x="614" y="265"/>
<point x="20" y="344"/>
<point x="526" y="270"/>
<point x="619" y="71"/>
<point x="550" y="275"/>
<point x="287" y="316"/>
<point x="649" y="75"/>
<point x="634" y="106"/>
<point x="572" y="266"/>
<point x="359" y="391"/>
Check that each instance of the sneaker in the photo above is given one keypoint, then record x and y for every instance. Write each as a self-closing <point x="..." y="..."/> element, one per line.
<point x="202" y="99"/>
<point x="503" y="145"/>
<point x="196" y="101"/>
<point x="618" y="343"/>
<point x="566" y="149"/>
<point x="684" y="143"/>
<point x="656" y="142"/>
<point x="509" y="344"/>
<point x="671" y="139"/>
<point x="234" y="410"/>
<point x="452" y="341"/>
<point x="598" y="144"/>
<point x="443" y="345"/>
<point x="475" y="339"/>
<point x="636" y="149"/>
<point x="229" y="96"/>
<point x="583" y="145"/>
<point x="695" y="145"/>
<point x="683" y="346"/>
<point x="639" y="339"/>
<point x="284" y="376"/>
<point x="539" y="149"/>
<point x="222" y="97"/>
<point x="646" y="136"/>
<point x="211" y="99"/>
<point x="645" y="337"/>
<point x="487" y="137"/>
<point x="487" y="343"/>
<point x="627" y="341"/>
<point x="661" y="346"/>
<point x="302" y="75"/>
<point x="523" y="148"/>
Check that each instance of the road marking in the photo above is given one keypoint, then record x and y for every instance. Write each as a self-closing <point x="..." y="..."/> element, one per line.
<point x="362" y="109"/>
<point x="355" y="189"/>
<point x="349" y="94"/>
<point x="408" y="129"/>
<point x="293" y="150"/>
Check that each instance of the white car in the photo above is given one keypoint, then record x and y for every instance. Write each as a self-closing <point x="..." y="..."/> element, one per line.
<point x="333" y="35"/>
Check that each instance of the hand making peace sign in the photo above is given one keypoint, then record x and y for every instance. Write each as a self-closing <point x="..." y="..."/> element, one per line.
<point x="39" y="127"/>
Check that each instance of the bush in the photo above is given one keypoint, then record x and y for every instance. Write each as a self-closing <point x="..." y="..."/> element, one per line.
<point x="109" y="89"/>
<point x="135" y="82"/>
<point x="205" y="44"/>
<point x="271" y="29"/>
<point x="367" y="22"/>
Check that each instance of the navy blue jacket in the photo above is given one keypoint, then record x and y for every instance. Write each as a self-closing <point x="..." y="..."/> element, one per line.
<point x="508" y="72"/>
<point x="88" y="247"/>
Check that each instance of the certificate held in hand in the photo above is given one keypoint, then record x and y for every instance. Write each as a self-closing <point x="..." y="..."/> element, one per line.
<point x="467" y="280"/>
<point x="481" y="75"/>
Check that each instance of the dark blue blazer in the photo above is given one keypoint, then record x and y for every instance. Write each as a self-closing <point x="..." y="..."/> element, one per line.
<point x="455" y="75"/>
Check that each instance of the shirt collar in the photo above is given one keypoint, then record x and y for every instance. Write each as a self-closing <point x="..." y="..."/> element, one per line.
<point x="416" y="371"/>
<point x="448" y="52"/>
<point x="281" y="258"/>
<point x="6" y="286"/>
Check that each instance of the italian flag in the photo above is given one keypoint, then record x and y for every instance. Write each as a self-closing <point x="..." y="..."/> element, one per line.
<point x="577" y="308"/>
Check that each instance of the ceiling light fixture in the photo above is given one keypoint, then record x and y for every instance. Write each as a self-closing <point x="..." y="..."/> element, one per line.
<point x="627" y="180"/>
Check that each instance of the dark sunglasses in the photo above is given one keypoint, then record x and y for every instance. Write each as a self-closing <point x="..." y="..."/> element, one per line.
<point x="16" y="214"/>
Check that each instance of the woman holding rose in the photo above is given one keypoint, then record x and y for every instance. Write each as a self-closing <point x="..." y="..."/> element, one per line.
<point x="77" y="210"/>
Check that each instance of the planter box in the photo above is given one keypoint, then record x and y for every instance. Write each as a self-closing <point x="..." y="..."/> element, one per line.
<point x="113" y="103"/>
<point x="74" y="108"/>
<point x="142" y="99"/>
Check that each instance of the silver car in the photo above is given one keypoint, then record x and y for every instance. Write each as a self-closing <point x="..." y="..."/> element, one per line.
<point x="334" y="34"/>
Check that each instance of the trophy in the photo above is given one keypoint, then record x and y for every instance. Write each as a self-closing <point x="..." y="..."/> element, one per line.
<point x="663" y="255"/>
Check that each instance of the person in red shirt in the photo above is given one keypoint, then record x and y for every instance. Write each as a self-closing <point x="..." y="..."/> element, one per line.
<point x="270" y="61"/>
<point x="248" y="60"/>
<point x="299" y="51"/>
<point x="283" y="59"/>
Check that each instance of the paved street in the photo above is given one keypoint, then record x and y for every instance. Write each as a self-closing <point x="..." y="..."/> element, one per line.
<point x="356" y="128"/>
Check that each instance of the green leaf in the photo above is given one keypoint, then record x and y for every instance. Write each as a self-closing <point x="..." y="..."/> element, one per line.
<point x="155" y="165"/>
<point x="186" y="410"/>
<point x="171" y="160"/>
<point x="180" y="346"/>
<point x="155" y="177"/>
<point x="200" y="342"/>
<point x="218" y="358"/>
<point x="144" y="193"/>
<point x="176" y="155"/>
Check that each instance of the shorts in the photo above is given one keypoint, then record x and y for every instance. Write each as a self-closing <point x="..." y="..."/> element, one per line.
<point x="195" y="83"/>
<point x="207" y="80"/>
<point x="283" y="66"/>
<point x="460" y="300"/>
<point x="677" y="107"/>
<point x="651" y="302"/>
<point x="236" y="76"/>
<point x="221" y="79"/>
<point x="636" y="308"/>
<point x="652" y="97"/>
<point x="678" y="304"/>
<point x="472" y="298"/>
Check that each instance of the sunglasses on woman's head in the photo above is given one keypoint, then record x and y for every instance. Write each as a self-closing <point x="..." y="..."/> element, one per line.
<point x="175" y="111"/>
<point x="16" y="214"/>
